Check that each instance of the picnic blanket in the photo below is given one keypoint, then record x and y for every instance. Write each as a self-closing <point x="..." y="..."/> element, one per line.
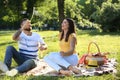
<point x="45" y="70"/>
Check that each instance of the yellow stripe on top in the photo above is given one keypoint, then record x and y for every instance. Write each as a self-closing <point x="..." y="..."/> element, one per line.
<point x="65" y="46"/>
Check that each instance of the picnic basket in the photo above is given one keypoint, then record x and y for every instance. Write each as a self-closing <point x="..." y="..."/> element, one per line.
<point x="93" y="59"/>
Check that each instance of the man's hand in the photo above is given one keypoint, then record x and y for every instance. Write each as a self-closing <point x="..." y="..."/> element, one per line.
<point x="23" y="26"/>
<point x="43" y="47"/>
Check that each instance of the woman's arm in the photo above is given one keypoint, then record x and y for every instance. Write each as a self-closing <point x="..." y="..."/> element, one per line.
<point x="72" y="47"/>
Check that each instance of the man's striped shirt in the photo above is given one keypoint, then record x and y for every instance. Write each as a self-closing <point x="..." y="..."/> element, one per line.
<point x="28" y="45"/>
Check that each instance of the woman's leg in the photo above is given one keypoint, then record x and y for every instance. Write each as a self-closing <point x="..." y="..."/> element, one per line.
<point x="73" y="60"/>
<point x="67" y="62"/>
<point x="58" y="59"/>
<point x="52" y="63"/>
<point x="56" y="66"/>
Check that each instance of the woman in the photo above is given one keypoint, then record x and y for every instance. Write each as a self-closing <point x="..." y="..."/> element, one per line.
<point x="64" y="60"/>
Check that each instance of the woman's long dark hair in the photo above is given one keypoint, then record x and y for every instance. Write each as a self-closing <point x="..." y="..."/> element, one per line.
<point x="71" y="29"/>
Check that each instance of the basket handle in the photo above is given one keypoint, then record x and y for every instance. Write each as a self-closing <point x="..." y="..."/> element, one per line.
<point x="95" y="45"/>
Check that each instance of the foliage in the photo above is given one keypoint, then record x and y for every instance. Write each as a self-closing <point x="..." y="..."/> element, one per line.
<point x="108" y="16"/>
<point x="100" y="14"/>
<point x="12" y="12"/>
<point x="46" y="14"/>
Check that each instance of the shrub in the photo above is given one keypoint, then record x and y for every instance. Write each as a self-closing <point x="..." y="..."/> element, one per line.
<point x="108" y="16"/>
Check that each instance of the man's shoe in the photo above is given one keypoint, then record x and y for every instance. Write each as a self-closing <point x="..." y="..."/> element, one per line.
<point x="12" y="72"/>
<point x="3" y="67"/>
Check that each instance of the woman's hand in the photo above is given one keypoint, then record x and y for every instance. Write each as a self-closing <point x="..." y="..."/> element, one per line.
<point x="62" y="53"/>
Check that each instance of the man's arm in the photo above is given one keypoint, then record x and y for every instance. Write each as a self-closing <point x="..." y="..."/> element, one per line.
<point x="16" y="35"/>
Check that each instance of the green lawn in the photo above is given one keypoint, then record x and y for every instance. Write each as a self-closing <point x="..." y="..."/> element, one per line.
<point x="107" y="42"/>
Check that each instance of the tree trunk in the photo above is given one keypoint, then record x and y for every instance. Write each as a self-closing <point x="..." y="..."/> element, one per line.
<point x="30" y="5"/>
<point x="60" y="4"/>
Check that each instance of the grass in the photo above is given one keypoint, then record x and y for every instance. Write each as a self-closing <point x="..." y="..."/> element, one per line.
<point x="107" y="42"/>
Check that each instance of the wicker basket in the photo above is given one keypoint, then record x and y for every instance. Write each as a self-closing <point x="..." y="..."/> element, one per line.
<point x="94" y="59"/>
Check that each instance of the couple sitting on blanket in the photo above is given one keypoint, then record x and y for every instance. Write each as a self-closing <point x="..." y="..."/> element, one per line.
<point x="30" y="42"/>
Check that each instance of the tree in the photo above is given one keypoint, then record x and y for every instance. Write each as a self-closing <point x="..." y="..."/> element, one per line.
<point x="108" y="16"/>
<point x="60" y="4"/>
<point x="30" y="5"/>
<point x="10" y="13"/>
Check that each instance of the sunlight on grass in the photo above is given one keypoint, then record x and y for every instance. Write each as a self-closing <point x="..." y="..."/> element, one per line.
<point x="107" y="42"/>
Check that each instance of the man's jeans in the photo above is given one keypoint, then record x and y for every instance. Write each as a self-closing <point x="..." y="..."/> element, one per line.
<point x="25" y="62"/>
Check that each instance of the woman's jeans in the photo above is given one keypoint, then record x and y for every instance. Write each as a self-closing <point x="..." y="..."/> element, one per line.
<point x="57" y="62"/>
<point x="25" y="62"/>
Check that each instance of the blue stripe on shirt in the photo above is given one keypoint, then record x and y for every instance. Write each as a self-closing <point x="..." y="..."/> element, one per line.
<point x="28" y="55"/>
<point x="28" y="50"/>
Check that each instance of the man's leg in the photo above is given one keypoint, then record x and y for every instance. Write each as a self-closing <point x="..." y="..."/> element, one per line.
<point x="27" y="65"/>
<point x="11" y="52"/>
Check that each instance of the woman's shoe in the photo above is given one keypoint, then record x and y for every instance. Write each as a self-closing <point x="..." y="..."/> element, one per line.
<point x="66" y="72"/>
<point x="75" y="70"/>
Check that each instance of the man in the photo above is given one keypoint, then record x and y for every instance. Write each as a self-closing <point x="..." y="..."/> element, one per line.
<point x="27" y="57"/>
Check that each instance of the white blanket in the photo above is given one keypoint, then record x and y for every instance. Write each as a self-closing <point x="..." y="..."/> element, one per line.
<point x="45" y="70"/>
